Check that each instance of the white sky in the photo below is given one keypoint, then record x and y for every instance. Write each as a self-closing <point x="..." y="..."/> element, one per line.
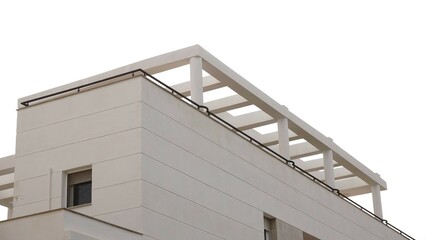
<point x="354" y="70"/>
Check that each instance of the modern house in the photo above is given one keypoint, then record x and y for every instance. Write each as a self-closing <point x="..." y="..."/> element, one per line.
<point x="123" y="155"/>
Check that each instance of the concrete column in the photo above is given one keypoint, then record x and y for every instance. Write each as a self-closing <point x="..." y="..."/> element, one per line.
<point x="329" y="168"/>
<point x="377" y="200"/>
<point x="196" y="79"/>
<point x="283" y="139"/>
<point x="283" y="231"/>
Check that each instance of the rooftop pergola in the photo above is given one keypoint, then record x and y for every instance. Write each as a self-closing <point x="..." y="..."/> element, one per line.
<point x="292" y="138"/>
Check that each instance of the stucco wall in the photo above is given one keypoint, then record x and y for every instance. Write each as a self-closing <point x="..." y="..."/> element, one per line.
<point x="100" y="128"/>
<point x="208" y="178"/>
<point x="166" y="170"/>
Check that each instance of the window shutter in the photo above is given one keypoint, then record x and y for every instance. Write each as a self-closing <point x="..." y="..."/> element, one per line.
<point x="80" y="177"/>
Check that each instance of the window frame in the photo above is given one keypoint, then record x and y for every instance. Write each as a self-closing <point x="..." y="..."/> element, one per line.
<point x="267" y="228"/>
<point x="85" y="177"/>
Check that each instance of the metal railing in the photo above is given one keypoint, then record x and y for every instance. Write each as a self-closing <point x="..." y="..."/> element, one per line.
<point x="206" y="111"/>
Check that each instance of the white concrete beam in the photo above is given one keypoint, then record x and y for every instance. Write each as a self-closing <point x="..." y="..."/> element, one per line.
<point x="312" y="165"/>
<point x="6" y="181"/>
<point x="339" y="173"/>
<point x="7" y="165"/>
<point x="342" y="173"/>
<point x="248" y="120"/>
<point x="299" y="150"/>
<point x="352" y="186"/>
<point x="269" y="139"/>
<point x="209" y="84"/>
<point x="196" y="79"/>
<point x="377" y="200"/>
<point x="226" y="104"/>
<point x="303" y="149"/>
<point x="6" y="197"/>
<point x="272" y="138"/>
<point x="356" y="191"/>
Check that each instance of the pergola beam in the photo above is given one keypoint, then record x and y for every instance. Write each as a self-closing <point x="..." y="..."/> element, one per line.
<point x="303" y="149"/>
<point x="299" y="150"/>
<point x="7" y="165"/>
<point x="353" y="186"/>
<point x="6" y="181"/>
<point x="209" y="84"/>
<point x="339" y="173"/>
<point x="6" y="197"/>
<point x="248" y="120"/>
<point x="226" y="104"/>
<point x="312" y="165"/>
<point x="269" y="139"/>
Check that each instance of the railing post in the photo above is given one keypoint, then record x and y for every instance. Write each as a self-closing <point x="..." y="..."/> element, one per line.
<point x="377" y="200"/>
<point x="329" y="168"/>
<point x="283" y="139"/>
<point x="196" y="79"/>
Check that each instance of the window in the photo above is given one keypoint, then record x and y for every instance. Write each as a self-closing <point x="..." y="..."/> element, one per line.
<point x="266" y="235"/>
<point x="267" y="228"/>
<point x="79" y="188"/>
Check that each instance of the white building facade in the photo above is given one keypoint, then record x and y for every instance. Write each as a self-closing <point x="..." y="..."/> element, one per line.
<point x="146" y="160"/>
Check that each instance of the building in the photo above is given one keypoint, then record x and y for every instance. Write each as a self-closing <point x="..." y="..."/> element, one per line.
<point x="122" y="155"/>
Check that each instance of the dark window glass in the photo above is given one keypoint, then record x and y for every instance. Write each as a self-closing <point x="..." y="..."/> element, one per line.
<point x="82" y="193"/>
<point x="266" y="235"/>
